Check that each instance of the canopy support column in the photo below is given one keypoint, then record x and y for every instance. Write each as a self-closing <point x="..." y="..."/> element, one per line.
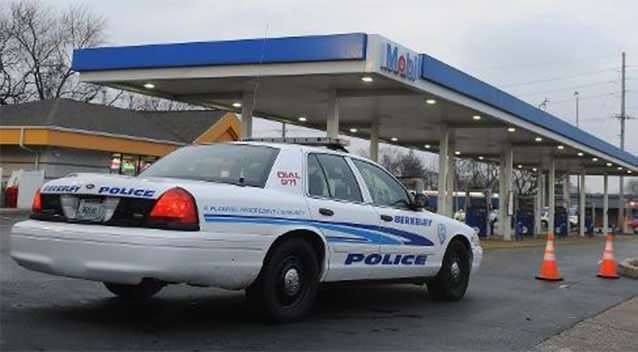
<point x="332" y="120"/>
<point x="443" y="170"/>
<point x="451" y="176"/>
<point x="581" y="209"/>
<point x="247" y="102"/>
<point x="538" y="201"/>
<point x="374" y="140"/>
<point x="551" y="183"/>
<point x="605" y="204"/>
<point x="505" y="190"/>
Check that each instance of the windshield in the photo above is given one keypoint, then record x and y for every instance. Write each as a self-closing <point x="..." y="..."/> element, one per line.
<point x="240" y="164"/>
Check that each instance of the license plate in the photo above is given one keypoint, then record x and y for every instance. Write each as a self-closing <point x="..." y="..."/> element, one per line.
<point x="90" y="210"/>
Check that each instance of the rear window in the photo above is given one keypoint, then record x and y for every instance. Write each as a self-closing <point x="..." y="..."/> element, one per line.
<point x="240" y="164"/>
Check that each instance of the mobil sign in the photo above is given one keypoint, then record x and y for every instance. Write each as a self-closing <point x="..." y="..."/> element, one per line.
<point x="400" y="61"/>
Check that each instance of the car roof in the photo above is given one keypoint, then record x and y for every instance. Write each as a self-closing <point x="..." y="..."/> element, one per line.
<point x="303" y="149"/>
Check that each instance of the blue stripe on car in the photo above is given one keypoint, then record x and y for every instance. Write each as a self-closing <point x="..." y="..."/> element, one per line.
<point x="366" y="233"/>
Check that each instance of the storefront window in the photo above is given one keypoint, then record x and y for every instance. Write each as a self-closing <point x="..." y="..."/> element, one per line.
<point x="128" y="164"/>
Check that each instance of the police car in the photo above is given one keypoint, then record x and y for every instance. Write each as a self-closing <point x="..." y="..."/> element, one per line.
<point x="274" y="219"/>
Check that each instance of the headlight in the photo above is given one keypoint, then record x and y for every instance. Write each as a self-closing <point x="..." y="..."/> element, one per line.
<point x="475" y="237"/>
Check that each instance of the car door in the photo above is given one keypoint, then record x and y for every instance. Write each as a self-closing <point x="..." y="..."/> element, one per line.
<point x="414" y="230"/>
<point x="337" y="208"/>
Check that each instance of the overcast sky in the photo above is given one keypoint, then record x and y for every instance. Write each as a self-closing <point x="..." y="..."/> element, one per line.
<point x="533" y="49"/>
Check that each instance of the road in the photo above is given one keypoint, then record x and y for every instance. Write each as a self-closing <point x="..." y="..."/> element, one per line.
<point x="505" y="309"/>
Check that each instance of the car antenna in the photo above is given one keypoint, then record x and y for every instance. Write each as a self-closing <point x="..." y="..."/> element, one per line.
<point x="259" y="69"/>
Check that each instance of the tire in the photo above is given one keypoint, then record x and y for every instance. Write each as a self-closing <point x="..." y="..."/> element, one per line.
<point x="142" y="291"/>
<point x="287" y="285"/>
<point x="451" y="282"/>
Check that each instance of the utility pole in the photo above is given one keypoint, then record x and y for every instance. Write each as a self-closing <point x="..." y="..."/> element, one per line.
<point x="576" y="94"/>
<point x="623" y="117"/>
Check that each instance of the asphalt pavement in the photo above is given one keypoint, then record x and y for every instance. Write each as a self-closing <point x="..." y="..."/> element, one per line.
<point x="505" y="309"/>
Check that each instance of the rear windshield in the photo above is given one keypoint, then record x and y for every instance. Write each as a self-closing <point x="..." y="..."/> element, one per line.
<point x="240" y="164"/>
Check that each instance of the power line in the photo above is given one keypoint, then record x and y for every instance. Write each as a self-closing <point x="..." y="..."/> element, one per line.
<point x="582" y="98"/>
<point x="569" y="89"/>
<point x="539" y="63"/>
<point x="560" y="78"/>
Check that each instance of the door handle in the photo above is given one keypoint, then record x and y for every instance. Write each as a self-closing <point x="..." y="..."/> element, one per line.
<point x="386" y="217"/>
<point x="326" y="212"/>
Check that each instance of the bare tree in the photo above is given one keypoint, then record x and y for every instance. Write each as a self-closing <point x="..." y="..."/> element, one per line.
<point x="37" y="44"/>
<point x="472" y="174"/>
<point x="525" y="182"/>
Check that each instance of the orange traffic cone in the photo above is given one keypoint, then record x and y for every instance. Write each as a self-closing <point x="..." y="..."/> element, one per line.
<point x="549" y="268"/>
<point x="608" y="263"/>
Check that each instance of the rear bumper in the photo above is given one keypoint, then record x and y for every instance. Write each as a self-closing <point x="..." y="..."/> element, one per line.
<point x="128" y="255"/>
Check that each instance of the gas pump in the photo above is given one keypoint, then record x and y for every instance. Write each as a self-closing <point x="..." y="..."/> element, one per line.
<point x="524" y="218"/>
<point x="560" y="222"/>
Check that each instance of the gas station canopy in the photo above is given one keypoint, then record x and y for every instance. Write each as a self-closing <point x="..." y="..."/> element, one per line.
<point x="411" y="98"/>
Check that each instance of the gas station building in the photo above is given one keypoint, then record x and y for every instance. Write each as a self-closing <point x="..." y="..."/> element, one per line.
<point x="367" y="86"/>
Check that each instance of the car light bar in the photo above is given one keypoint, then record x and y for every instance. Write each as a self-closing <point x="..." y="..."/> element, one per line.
<point x="311" y="141"/>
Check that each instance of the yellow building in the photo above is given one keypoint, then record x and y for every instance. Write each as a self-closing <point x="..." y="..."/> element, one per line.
<point x="63" y="136"/>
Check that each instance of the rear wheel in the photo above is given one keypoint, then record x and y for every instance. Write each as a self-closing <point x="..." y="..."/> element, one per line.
<point x="451" y="282"/>
<point x="144" y="290"/>
<point x="287" y="285"/>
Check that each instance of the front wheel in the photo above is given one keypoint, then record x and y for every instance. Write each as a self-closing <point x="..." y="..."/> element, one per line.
<point x="451" y="282"/>
<point x="144" y="290"/>
<point x="287" y="285"/>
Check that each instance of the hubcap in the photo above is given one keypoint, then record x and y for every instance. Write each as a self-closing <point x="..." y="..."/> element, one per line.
<point x="291" y="282"/>
<point x="455" y="271"/>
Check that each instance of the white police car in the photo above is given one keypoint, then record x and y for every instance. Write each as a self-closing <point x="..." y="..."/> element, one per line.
<point x="274" y="219"/>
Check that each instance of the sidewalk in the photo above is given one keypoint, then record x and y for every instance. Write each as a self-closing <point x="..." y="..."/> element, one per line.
<point x="4" y="211"/>
<point x="613" y="330"/>
<point x="496" y="242"/>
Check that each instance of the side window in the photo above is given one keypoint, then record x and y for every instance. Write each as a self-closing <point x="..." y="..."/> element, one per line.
<point x="317" y="184"/>
<point x="384" y="189"/>
<point x="330" y="176"/>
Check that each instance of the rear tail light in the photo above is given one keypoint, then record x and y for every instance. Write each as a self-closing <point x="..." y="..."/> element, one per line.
<point x="36" y="206"/>
<point x="175" y="209"/>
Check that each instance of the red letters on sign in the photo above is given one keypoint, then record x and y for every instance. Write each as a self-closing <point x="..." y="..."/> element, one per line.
<point x="288" y="178"/>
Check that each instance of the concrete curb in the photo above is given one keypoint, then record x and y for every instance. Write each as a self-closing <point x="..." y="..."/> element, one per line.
<point x="14" y="211"/>
<point x="629" y="268"/>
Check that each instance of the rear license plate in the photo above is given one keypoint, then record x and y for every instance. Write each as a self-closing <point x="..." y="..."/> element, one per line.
<point x="90" y="210"/>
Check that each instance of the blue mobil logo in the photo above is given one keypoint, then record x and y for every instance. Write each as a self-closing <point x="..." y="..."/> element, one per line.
<point x="399" y="61"/>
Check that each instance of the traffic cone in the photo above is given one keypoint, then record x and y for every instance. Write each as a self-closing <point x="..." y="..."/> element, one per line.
<point x="608" y="263"/>
<point x="549" y="268"/>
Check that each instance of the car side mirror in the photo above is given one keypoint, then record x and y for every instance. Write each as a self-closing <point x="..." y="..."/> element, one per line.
<point x="420" y="201"/>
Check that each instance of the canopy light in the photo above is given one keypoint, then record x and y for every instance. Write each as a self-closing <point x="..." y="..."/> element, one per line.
<point x="580" y="154"/>
<point x="394" y="139"/>
<point x="594" y="159"/>
<point x="538" y="139"/>
<point x="430" y="101"/>
<point x="511" y="129"/>
<point x="476" y="117"/>
<point x="629" y="172"/>
<point x="302" y="118"/>
<point x="619" y="167"/>
<point x="609" y="164"/>
<point x="534" y="169"/>
<point x="354" y="130"/>
<point x="520" y="166"/>
<point x="457" y="153"/>
<point x="481" y="158"/>
<point x="237" y="104"/>
<point x="561" y="147"/>
<point x="427" y="146"/>
<point x="367" y="79"/>
<point x="149" y="85"/>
